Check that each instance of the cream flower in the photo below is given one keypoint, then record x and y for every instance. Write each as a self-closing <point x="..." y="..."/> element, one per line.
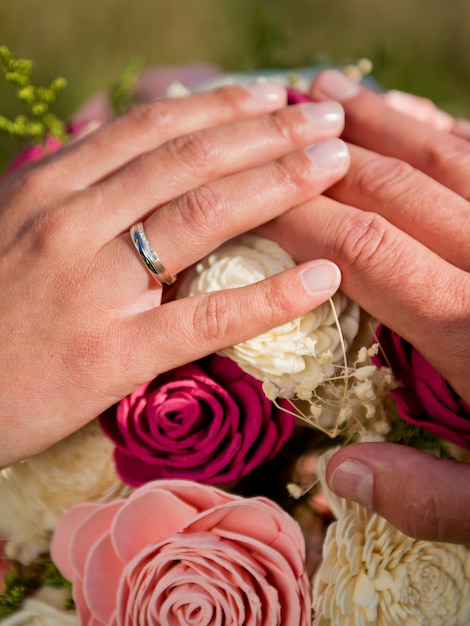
<point x="43" y="609"/>
<point x="374" y="574"/>
<point x="295" y="357"/>
<point x="36" y="492"/>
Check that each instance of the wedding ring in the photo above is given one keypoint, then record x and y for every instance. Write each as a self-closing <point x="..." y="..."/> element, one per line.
<point x="148" y="255"/>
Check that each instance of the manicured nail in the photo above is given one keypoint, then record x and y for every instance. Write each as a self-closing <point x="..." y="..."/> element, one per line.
<point x="320" y="277"/>
<point x="336" y="85"/>
<point x="355" y="481"/>
<point x="270" y="93"/>
<point x="323" y="114"/>
<point x="332" y="153"/>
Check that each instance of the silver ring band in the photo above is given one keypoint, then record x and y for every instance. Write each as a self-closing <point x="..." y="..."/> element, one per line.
<point x="148" y="255"/>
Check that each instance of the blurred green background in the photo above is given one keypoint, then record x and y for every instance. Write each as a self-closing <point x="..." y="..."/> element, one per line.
<point x="418" y="45"/>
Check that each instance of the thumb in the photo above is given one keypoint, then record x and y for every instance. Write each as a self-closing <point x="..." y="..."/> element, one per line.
<point x="421" y="495"/>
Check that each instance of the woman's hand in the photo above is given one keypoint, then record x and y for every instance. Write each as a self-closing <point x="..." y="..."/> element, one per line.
<point x="398" y="226"/>
<point x="82" y="324"/>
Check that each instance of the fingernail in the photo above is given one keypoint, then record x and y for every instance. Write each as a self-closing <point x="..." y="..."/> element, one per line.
<point x="321" y="276"/>
<point x="323" y="114"/>
<point x="336" y="85"/>
<point x="270" y="93"/>
<point x="332" y="153"/>
<point x="353" y="480"/>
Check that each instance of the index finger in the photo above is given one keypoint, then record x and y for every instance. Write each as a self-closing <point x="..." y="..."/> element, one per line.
<point x="395" y="278"/>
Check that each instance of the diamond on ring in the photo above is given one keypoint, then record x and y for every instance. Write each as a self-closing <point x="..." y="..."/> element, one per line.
<point x="148" y="255"/>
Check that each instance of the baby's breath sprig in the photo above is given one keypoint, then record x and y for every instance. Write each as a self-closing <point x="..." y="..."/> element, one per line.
<point x="40" y="122"/>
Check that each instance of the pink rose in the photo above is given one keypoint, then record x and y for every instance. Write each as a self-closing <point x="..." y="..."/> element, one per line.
<point x="208" y="422"/>
<point x="177" y="552"/>
<point x="424" y="397"/>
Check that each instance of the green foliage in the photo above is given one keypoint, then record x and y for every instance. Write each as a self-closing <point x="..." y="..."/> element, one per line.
<point x="267" y="38"/>
<point x="24" y="580"/>
<point x="413" y="436"/>
<point x="38" y="100"/>
<point x="122" y="93"/>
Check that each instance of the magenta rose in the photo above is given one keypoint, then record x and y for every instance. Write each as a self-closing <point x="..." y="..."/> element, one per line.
<point x="424" y="397"/>
<point x="209" y="422"/>
<point x="36" y="151"/>
<point x="178" y="552"/>
<point x="294" y="96"/>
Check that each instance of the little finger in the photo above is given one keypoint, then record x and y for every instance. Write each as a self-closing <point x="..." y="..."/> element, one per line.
<point x="147" y="126"/>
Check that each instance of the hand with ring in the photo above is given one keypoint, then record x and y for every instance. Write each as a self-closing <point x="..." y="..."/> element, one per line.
<point x="398" y="227"/>
<point x="83" y="322"/>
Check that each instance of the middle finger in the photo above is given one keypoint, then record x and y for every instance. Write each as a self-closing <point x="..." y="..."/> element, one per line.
<point x="194" y="224"/>
<point x="192" y="160"/>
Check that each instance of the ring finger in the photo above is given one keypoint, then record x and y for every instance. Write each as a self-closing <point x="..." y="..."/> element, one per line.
<point x="194" y="224"/>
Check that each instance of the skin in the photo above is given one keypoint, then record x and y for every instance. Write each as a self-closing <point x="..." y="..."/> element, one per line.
<point x="82" y="319"/>
<point x="66" y="219"/>
<point x="397" y="226"/>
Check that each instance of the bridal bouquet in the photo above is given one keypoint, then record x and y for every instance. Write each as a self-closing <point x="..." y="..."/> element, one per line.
<point x="201" y="497"/>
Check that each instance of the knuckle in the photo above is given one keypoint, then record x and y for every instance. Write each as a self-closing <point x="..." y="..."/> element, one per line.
<point x="202" y="208"/>
<point x="385" y="176"/>
<point x="290" y="173"/>
<point x="279" y="125"/>
<point x="442" y="154"/>
<point x="274" y="304"/>
<point x="360" y="238"/>
<point x="212" y="317"/>
<point x="30" y="183"/>
<point x="46" y="230"/>
<point x="148" y="116"/>
<point x="230" y="100"/>
<point x="197" y="151"/>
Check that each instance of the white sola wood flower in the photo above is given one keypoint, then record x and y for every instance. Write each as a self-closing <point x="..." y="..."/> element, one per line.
<point x="296" y="357"/>
<point x="374" y="574"/>
<point x="35" y="493"/>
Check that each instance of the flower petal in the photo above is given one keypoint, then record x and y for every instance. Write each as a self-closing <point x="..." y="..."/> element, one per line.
<point x="156" y="514"/>
<point x="88" y="533"/>
<point x="62" y="539"/>
<point x="103" y="572"/>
